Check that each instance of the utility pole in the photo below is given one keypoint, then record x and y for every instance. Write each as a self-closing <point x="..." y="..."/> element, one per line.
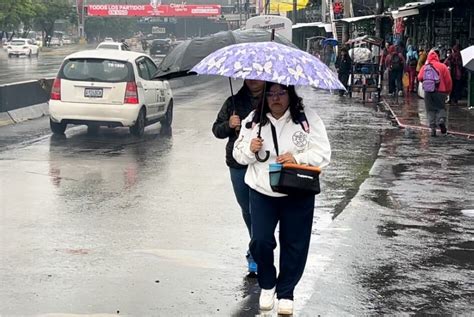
<point x="240" y="12"/>
<point x="379" y="7"/>
<point x="295" y="12"/>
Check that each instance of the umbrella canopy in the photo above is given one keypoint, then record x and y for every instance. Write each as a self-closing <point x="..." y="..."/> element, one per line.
<point x="467" y="55"/>
<point x="330" y="41"/>
<point x="269" y="61"/>
<point x="187" y="54"/>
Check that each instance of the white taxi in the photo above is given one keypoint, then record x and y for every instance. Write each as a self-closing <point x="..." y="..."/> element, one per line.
<point x="25" y="47"/>
<point x="113" y="46"/>
<point x="109" y="88"/>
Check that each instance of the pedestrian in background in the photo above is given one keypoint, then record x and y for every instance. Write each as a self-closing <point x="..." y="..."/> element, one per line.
<point x="384" y="55"/>
<point x="422" y="56"/>
<point x="281" y="111"/>
<point x="437" y="84"/>
<point x="412" y="62"/>
<point x="395" y="64"/>
<point x="227" y="126"/>
<point x="343" y="66"/>
<point x="328" y="52"/>
<point x="454" y="63"/>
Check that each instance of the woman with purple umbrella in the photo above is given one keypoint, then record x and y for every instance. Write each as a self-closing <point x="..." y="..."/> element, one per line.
<point x="227" y="126"/>
<point x="299" y="141"/>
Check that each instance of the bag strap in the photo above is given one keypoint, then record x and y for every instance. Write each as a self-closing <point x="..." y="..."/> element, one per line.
<point x="274" y="137"/>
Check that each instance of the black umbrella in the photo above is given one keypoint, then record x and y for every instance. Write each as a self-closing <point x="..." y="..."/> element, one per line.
<point x="187" y="54"/>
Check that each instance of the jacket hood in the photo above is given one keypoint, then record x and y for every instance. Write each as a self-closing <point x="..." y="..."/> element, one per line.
<point x="433" y="57"/>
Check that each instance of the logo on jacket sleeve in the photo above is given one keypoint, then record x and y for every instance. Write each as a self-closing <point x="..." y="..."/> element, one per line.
<point x="300" y="139"/>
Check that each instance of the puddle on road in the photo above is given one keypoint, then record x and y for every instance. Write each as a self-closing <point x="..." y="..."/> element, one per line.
<point x="460" y="254"/>
<point x="383" y="198"/>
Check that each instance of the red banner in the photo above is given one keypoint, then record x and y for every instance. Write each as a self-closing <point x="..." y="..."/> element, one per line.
<point x="146" y="10"/>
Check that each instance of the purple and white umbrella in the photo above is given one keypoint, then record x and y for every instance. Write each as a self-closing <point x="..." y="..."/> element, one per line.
<point x="269" y="61"/>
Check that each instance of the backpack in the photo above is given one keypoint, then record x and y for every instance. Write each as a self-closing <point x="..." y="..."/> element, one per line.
<point x="430" y="79"/>
<point x="396" y="62"/>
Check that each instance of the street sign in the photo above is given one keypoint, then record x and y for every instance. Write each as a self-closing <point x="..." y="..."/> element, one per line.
<point x="280" y="24"/>
<point x="158" y="30"/>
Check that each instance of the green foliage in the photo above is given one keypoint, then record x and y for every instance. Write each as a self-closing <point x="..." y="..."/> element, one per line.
<point x="15" y="12"/>
<point x="49" y="11"/>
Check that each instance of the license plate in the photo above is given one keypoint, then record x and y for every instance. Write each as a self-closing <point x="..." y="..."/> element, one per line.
<point x="93" y="92"/>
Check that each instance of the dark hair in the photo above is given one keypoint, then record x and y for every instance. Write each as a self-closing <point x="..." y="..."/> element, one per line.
<point x="295" y="106"/>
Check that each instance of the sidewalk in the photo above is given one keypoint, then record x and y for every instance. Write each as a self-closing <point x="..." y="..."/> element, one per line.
<point x="409" y="112"/>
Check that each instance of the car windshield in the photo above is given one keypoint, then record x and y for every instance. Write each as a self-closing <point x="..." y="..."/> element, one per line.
<point x="91" y="69"/>
<point x="18" y="42"/>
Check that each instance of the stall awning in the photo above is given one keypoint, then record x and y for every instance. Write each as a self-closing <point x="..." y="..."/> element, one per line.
<point x="410" y="9"/>
<point x="357" y="19"/>
<point x="404" y="13"/>
<point x="327" y="27"/>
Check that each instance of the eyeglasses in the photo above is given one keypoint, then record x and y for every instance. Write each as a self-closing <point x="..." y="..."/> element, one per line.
<point x="280" y="93"/>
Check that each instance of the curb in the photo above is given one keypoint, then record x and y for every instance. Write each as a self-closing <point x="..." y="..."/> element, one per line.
<point x="420" y="127"/>
<point x="28" y="113"/>
<point x="5" y="119"/>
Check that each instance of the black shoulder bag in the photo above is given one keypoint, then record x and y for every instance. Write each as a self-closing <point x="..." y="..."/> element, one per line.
<point x="294" y="179"/>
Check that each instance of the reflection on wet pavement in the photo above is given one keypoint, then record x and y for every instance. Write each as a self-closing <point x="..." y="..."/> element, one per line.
<point x="429" y="235"/>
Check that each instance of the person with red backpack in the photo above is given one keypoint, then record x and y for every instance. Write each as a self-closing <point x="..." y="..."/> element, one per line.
<point x="394" y="62"/>
<point x="437" y="84"/>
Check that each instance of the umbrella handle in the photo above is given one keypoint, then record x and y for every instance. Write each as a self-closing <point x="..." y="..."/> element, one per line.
<point x="267" y="155"/>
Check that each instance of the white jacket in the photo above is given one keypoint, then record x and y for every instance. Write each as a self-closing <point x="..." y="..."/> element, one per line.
<point x="311" y="148"/>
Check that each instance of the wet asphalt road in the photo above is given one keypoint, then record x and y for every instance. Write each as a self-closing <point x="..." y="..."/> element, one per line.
<point x="45" y="65"/>
<point x="113" y="224"/>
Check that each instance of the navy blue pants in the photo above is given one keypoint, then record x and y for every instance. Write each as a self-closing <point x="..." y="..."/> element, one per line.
<point x="241" y="191"/>
<point x="295" y="215"/>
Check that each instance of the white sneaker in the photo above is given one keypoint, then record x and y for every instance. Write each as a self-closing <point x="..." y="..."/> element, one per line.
<point x="285" y="307"/>
<point x="267" y="298"/>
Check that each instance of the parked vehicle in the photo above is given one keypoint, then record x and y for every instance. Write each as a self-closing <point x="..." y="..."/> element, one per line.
<point x="159" y="47"/>
<point x="109" y="88"/>
<point x="56" y="41"/>
<point x="25" y="47"/>
<point x="67" y="40"/>
<point x="113" y="46"/>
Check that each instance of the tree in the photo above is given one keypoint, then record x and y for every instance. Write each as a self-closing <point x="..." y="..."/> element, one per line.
<point x="115" y="27"/>
<point x="14" y="13"/>
<point x="49" y="11"/>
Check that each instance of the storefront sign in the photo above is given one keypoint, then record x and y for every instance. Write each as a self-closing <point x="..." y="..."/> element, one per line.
<point x="146" y="10"/>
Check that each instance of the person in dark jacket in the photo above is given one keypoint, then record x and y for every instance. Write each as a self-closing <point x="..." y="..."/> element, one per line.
<point x="227" y="126"/>
<point x="454" y="63"/>
<point x="343" y="66"/>
<point x="395" y="62"/>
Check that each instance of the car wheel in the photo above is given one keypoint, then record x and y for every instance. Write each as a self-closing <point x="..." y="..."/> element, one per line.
<point x="138" y="129"/>
<point x="93" y="129"/>
<point x="57" y="127"/>
<point x="9" y="55"/>
<point x="168" y="118"/>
